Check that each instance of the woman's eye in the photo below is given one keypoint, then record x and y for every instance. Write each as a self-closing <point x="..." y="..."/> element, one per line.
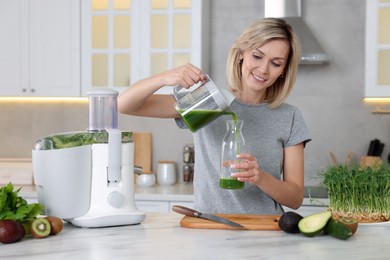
<point x="257" y="57"/>
<point x="276" y="64"/>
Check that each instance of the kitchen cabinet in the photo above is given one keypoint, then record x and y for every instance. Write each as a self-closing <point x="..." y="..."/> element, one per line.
<point x="40" y="48"/>
<point x="377" y="80"/>
<point x="307" y="209"/>
<point x="162" y="198"/>
<point x="125" y="41"/>
<point x="161" y="206"/>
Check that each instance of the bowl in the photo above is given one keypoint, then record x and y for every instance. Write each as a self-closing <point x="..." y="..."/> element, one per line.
<point x="146" y="180"/>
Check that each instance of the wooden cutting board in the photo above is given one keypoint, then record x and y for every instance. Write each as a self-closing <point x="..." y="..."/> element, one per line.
<point x="251" y="222"/>
<point x="143" y="151"/>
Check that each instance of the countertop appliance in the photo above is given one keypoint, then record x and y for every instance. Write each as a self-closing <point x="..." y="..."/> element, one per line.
<point x="87" y="178"/>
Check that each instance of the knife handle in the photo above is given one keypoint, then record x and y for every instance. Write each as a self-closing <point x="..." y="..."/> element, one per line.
<point x="186" y="211"/>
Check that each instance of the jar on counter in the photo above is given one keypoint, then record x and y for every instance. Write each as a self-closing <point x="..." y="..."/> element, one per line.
<point x="188" y="153"/>
<point x="166" y="173"/>
<point x="188" y="173"/>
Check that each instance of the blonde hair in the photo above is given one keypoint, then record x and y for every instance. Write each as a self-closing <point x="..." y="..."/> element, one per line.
<point x="253" y="37"/>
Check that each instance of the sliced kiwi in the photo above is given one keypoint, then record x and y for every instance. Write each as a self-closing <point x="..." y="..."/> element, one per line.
<point x="56" y="224"/>
<point x="40" y="228"/>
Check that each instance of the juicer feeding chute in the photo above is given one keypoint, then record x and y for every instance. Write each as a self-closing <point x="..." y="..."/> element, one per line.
<point x="103" y="113"/>
<point x="103" y="116"/>
<point x="87" y="177"/>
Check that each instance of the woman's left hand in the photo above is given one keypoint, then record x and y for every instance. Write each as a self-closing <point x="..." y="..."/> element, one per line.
<point x="249" y="169"/>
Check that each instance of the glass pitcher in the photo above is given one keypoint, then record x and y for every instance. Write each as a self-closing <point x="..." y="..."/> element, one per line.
<point x="203" y="104"/>
<point x="232" y="145"/>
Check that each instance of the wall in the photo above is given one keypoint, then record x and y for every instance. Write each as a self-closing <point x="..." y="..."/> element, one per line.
<point x="330" y="96"/>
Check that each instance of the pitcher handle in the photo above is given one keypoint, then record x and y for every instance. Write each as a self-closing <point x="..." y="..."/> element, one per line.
<point x="175" y="90"/>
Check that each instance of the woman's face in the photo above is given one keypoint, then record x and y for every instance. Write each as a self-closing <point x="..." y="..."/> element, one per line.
<point x="261" y="67"/>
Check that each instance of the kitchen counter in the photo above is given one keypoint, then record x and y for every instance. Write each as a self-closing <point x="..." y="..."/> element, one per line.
<point x="161" y="237"/>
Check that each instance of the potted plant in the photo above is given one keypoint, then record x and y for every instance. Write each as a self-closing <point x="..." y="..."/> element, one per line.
<point x="358" y="192"/>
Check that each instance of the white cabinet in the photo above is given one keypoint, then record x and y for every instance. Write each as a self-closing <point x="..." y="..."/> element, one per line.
<point x="310" y="207"/>
<point x="161" y="206"/>
<point x="40" y="48"/>
<point x="377" y="48"/>
<point x="306" y="210"/>
<point x="125" y="41"/>
<point x="152" y="206"/>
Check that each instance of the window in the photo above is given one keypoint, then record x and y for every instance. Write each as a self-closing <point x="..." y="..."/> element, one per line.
<point x="124" y="40"/>
<point x="377" y="48"/>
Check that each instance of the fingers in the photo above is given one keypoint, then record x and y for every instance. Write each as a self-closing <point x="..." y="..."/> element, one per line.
<point x="189" y="75"/>
<point x="248" y="168"/>
<point x="245" y="161"/>
<point x="247" y="156"/>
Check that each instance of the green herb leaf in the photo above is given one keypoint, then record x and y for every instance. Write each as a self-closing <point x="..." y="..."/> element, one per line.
<point x="15" y="207"/>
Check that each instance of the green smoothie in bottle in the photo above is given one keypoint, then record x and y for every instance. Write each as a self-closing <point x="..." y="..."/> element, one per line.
<point x="226" y="180"/>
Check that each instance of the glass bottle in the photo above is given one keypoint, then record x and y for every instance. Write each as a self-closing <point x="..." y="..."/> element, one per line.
<point x="232" y="145"/>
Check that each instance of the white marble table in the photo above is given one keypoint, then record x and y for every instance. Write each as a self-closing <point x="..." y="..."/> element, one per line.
<point x="161" y="237"/>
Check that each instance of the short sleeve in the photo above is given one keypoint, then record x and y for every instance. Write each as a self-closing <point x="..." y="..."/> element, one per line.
<point x="299" y="131"/>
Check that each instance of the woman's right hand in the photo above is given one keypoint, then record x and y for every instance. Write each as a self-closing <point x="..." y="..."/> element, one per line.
<point x="186" y="76"/>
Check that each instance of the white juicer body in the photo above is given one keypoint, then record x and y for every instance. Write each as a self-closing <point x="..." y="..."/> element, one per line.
<point x="111" y="203"/>
<point x="89" y="185"/>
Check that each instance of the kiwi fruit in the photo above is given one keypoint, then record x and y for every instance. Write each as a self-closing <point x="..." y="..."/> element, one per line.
<point x="352" y="223"/>
<point x="40" y="228"/>
<point x="56" y="224"/>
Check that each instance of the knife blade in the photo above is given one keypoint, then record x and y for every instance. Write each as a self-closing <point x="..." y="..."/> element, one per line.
<point x="193" y="213"/>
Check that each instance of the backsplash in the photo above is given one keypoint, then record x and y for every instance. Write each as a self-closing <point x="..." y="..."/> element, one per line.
<point x="23" y="123"/>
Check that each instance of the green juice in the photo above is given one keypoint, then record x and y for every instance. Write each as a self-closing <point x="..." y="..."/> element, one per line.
<point x="195" y="119"/>
<point x="232" y="184"/>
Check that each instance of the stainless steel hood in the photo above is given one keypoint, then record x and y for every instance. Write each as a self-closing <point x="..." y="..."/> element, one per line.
<point x="290" y="10"/>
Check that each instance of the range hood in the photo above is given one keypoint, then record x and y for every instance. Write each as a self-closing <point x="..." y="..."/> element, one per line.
<point x="290" y="11"/>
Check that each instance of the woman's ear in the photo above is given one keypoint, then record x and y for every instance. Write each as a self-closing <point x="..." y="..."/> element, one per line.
<point x="240" y="57"/>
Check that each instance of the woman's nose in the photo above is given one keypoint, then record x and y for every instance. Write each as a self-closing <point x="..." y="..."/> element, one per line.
<point x="263" y="68"/>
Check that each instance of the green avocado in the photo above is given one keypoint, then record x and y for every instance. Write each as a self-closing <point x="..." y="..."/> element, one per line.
<point x="314" y="224"/>
<point x="288" y="222"/>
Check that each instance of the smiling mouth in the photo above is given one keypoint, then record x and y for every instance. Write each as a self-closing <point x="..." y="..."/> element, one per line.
<point x="258" y="78"/>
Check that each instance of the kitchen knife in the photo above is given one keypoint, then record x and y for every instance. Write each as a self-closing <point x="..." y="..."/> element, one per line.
<point x="193" y="213"/>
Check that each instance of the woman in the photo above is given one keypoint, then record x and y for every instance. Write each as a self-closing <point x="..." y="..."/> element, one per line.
<point x="261" y="70"/>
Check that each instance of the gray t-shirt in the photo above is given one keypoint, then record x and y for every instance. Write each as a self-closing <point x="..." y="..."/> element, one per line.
<point x="266" y="132"/>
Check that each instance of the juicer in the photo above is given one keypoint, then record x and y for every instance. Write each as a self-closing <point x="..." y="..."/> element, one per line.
<point x="87" y="177"/>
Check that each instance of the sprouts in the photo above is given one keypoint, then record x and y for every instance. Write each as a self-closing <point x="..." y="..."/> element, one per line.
<point x="359" y="192"/>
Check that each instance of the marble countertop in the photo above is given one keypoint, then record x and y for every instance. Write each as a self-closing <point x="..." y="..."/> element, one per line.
<point x="160" y="236"/>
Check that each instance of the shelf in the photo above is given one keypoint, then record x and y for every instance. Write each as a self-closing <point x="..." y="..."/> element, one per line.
<point x="381" y="112"/>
